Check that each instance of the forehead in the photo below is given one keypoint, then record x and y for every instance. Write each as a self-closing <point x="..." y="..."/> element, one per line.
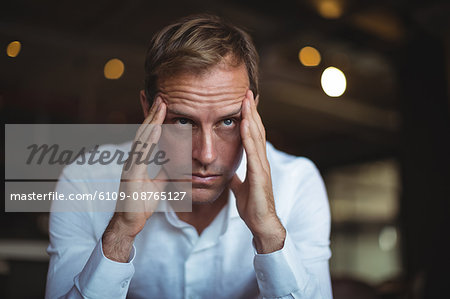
<point x="220" y="87"/>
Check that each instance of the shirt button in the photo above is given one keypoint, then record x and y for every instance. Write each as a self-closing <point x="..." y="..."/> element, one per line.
<point x="124" y="284"/>
<point x="260" y="275"/>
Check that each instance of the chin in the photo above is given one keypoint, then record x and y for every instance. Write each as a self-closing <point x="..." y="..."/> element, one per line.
<point x="204" y="196"/>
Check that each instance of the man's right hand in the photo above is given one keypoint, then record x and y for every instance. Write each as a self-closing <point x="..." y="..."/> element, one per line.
<point x="131" y="215"/>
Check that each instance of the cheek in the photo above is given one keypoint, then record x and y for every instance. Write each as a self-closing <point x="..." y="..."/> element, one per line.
<point x="177" y="144"/>
<point x="228" y="135"/>
<point x="230" y="153"/>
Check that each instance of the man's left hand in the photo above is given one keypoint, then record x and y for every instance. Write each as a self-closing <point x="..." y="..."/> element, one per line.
<point x="254" y="196"/>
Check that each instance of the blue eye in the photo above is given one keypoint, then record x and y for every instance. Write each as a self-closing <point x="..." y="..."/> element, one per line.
<point x="228" y="122"/>
<point x="183" y="121"/>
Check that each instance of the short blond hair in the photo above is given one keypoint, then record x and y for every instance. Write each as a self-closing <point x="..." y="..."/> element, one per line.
<point x="195" y="44"/>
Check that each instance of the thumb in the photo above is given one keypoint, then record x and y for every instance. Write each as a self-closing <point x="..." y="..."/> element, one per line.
<point x="235" y="184"/>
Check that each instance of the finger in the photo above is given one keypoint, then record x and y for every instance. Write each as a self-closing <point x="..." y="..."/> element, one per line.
<point x="258" y="131"/>
<point x="255" y="114"/>
<point x="255" y="134"/>
<point x="156" y="122"/>
<point x="254" y="129"/>
<point x="160" y="114"/>
<point x="253" y="162"/>
<point x="150" y="135"/>
<point x="153" y="110"/>
<point x="150" y="116"/>
<point x="147" y="146"/>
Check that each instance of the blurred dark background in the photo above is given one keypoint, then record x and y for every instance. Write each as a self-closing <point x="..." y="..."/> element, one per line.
<point x="382" y="147"/>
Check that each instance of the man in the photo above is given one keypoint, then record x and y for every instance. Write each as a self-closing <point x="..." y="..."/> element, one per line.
<point x="260" y="220"/>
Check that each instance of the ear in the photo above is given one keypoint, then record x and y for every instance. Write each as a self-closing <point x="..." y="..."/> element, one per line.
<point x="144" y="103"/>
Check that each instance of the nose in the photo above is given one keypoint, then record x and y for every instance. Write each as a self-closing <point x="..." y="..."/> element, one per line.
<point x="203" y="147"/>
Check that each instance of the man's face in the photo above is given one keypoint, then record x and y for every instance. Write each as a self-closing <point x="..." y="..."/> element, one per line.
<point x="211" y="103"/>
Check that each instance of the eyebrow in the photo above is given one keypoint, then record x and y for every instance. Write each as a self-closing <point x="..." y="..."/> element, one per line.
<point x="187" y="115"/>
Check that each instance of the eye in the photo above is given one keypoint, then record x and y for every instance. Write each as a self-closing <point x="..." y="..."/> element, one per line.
<point x="182" y="121"/>
<point x="228" y="122"/>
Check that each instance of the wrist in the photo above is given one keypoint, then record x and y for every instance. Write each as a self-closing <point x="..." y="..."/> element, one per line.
<point x="126" y="225"/>
<point x="117" y="241"/>
<point x="271" y="239"/>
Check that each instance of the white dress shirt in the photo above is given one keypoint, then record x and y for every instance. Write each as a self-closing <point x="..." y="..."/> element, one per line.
<point x="170" y="260"/>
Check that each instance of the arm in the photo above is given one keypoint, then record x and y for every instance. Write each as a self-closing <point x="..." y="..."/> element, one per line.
<point x="282" y="264"/>
<point x="78" y="267"/>
<point x="85" y="263"/>
<point x="300" y="269"/>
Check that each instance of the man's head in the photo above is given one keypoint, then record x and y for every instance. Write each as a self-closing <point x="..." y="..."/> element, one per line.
<point x="194" y="45"/>
<point x="203" y="68"/>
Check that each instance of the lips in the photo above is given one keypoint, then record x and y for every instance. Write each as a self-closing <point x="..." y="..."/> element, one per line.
<point x="204" y="175"/>
<point x="204" y="178"/>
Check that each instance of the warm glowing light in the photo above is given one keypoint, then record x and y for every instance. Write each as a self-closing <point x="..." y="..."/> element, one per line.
<point x="333" y="82"/>
<point x="114" y="69"/>
<point x="387" y="238"/>
<point x="309" y="56"/>
<point x="330" y="9"/>
<point x="13" y="48"/>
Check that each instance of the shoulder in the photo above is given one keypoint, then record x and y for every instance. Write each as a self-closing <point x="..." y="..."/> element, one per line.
<point x="290" y="167"/>
<point x="297" y="182"/>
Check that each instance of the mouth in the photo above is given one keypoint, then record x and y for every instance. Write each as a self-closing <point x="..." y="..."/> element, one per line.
<point x="204" y="179"/>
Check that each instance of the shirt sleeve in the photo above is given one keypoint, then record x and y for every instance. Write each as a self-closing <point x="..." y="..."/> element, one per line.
<point x="300" y="269"/>
<point x="78" y="267"/>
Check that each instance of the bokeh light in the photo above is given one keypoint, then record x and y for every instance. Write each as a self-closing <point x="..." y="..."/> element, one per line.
<point x="13" y="48"/>
<point x="114" y="69"/>
<point x="309" y="56"/>
<point x="333" y="82"/>
<point x="329" y="9"/>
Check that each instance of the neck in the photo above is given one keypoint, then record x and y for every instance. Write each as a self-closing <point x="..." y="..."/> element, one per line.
<point x="204" y="213"/>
